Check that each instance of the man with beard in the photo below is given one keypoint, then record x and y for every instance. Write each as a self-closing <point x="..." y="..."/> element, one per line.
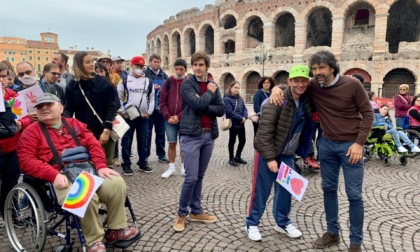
<point x="60" y="59"/>
<point x="346" y="118"/>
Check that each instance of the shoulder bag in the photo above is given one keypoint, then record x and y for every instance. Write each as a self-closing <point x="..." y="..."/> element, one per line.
<point x="119" y="127"/>
<point x="227" y="122"/>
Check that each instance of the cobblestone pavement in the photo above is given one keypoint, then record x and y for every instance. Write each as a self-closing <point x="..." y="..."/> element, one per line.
<point x="391" y="194"/>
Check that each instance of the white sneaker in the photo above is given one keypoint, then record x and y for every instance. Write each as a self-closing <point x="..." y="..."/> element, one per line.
<point x="402" y="149"/>
<point x="253" y="233"/>
<point x="182" y="171"/>
<point x="290" y="230"/>
<point x="415" y="149"/>
<point x="168" y="172"/>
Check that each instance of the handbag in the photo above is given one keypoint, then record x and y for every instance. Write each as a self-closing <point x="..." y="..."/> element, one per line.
<point x="253" y="116"/>
<point x="113" y="133"/>
<point x="227" y="122"/>
<point x="73" y="161"/>
<point x="8" y="127"/>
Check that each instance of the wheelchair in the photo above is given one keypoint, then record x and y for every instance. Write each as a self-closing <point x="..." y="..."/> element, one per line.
<point x="413" y="135"/>
<point x="28" y="227"/>
<point x="382" y="144"/>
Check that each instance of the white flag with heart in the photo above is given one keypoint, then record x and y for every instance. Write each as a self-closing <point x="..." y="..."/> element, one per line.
<point x="292" y="181"/>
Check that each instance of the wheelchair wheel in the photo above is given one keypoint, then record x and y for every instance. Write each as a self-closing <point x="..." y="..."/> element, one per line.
<point x="387" y="161"/>
<point x="403" y="160"/>
<point x="368" y="153"/>
<point x="26" y="227"/>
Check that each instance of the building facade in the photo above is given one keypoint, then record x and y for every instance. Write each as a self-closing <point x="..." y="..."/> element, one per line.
<point x="379" y="39"/>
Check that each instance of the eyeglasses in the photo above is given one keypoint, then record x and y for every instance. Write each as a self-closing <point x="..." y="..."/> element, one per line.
<point x="27" y="72"/>
<point x="55" y="73"/>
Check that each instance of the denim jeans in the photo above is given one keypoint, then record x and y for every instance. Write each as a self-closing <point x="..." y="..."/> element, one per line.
<point x="156" y="119"/>
<point x="197" y="153"/>
<point x="332" y="155"/>
<point x="399" y="121"/>
<point x="140" y="125"/>
<point x="172" y="132"/>
<point x="397" y="134"/>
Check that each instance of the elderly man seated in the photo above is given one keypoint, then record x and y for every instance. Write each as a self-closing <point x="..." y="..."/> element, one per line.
<point x="35" y="156"/>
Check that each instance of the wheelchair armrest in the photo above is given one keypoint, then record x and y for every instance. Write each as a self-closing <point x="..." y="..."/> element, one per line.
<point x="378" y="128"/>
<point x="34" y="181"/>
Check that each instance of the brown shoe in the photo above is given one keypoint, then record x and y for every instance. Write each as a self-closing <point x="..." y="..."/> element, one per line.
<point x="326" y="240"/>
<point x="179" y="225"/>
<point x="355" y="248"/>
<point x="203" y="217"/>
<point x="124" y="234"/>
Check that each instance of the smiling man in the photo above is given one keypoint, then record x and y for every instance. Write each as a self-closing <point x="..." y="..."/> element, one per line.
<point x="346" y="118"/>
<point x="278" y="139"/>
<point x="201" y="105"/>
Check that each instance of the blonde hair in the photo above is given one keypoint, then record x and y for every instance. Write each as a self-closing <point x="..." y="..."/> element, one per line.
<point x="405" y="86"/>
<point x="78" y="68"/>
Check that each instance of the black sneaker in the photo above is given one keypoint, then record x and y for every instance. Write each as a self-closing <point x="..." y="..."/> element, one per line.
<point x="232" y="162"/>
<point x="240" y="160"/>
<point x="163" y="160"/>
<point x="127" y="171"/>
<point x="146" y="168"/>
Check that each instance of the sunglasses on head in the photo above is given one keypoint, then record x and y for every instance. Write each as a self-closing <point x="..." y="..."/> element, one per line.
<point x="27" y="72"/>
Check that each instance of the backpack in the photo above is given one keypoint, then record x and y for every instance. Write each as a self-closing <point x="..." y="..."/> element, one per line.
<point x="168" y="84"/>
<point x="8" y="127"/>
<point x="127" y="94"/>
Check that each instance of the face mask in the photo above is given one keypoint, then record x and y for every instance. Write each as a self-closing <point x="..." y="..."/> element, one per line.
<point x="28" y="80"/>
<point x="138" y="71"/>
<point x="179" y="77"/>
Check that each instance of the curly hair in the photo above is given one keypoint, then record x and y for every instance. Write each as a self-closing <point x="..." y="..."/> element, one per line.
<point x="327" y="58"/>
<point x="263" y="79"/>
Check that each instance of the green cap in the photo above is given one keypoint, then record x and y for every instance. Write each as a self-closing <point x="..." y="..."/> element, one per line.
<point x="299" y="71"/>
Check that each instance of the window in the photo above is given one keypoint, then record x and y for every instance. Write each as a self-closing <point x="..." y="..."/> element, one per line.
<point x="39" y="58"/>
<point x="46" y="58"/>
<point x="46" y="52"/>
<point x="30" y="57"/>
<point x="39" y="52"/>
<point x="39" y="67"/>
<point x="13" y="59"/>
<point x="23" y="59"/>
<point x="7" y="58"/>
<point x="362" y="17"/>
<point x="30" y="51"/>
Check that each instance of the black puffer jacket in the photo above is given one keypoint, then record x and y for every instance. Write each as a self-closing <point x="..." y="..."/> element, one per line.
<point x="194" y="103"/>
<point x="276" y="124"/>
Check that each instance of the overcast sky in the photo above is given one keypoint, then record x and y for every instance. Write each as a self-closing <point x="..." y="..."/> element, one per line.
<point x="118" y="25"/>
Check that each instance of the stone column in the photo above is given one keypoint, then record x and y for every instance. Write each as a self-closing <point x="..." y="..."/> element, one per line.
<point x="269" y="35"/>
<point x="379" y="43"/>
<point x="239" y="46"/>
<point x="300" y="40"/>
<point x="375" y="86"/>
<point x="337" y="36"/>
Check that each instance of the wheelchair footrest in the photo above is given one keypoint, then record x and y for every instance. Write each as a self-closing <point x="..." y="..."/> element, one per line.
<point x="126" y="244"/>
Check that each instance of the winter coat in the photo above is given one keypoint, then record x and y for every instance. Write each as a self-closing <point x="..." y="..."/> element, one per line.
<point x="232" y="102"/>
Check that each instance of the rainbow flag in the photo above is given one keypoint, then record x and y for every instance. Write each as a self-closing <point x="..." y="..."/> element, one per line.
<point x="81" y="193"/>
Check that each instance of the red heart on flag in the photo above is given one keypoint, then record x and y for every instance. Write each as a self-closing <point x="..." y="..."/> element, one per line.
<point x="297" y="185"/>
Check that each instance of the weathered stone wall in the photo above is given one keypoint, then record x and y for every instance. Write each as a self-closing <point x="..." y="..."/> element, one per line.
<point x="364" y="46"/>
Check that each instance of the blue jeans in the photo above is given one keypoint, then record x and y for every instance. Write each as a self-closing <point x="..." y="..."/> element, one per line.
<point x="332" y="155"/>
<point x="140" y="125"/>
<point x="172" y="132"/>
<point x="262" y="183"/>
<point x="399" y="121"/>
<point x="197" y="153"/>
<point x="397" y="134"/>
<point x="156" y="119"/>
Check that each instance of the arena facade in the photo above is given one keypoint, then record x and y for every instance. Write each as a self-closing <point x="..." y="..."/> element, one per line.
<point x="379" y="39"/>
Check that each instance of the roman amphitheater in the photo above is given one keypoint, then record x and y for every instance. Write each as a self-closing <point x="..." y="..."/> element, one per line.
<point x="379" y="39"/>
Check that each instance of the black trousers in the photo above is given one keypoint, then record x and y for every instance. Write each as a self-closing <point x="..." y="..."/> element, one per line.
<point x="9" y="175"/>
<point x="233" y="132"/>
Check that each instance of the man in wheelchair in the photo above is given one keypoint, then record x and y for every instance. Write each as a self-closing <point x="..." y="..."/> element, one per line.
<point x="35" y="158"/>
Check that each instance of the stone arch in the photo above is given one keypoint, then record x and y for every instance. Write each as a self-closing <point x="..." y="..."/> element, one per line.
<point x="148" y="47"/>
<point x="313" y="6"/>
<point x="165" y="49"/>
<point x="403" y="23"/>
<point x="176" y="43"/>
<point x="158" y="46"/>
<point x="228" y="21"/>
<point x="229" y="46"/>
<point x="358" y="14"/>
<point x="319" y="27"/>
<point x="153" y="46"/>
<point x="207" y="33"/>
<point x="226" y="79"/>
<point x="251" y="80"/>
<point x="189" y="41"/>
<point x="285" y="30"/>
<point x="280" y="77"/>
<point x="366" y="76"/>
<point x="394" y="78"/>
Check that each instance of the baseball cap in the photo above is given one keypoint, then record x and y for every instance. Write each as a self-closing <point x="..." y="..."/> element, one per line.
<point x="115" y="58"/>
<point x="45" y="98"/>
<point x="137" y="60"/>
<point x="299" y="71"/>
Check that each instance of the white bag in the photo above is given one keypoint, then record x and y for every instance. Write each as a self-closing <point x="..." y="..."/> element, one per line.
<point x="119" y="128"/>
<point x="225" y="124"/>
<point x="133" y="112"/>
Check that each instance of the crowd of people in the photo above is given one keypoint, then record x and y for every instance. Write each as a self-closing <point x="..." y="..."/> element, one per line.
<point x="330" y="109"/>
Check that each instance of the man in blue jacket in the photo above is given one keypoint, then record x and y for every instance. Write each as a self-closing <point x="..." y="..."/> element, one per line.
<point x="157" y="76"/>
<point x="201" y="105"/>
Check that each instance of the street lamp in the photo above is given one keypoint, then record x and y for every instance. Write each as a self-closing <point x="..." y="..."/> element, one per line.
<point x="262" y="57"/>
